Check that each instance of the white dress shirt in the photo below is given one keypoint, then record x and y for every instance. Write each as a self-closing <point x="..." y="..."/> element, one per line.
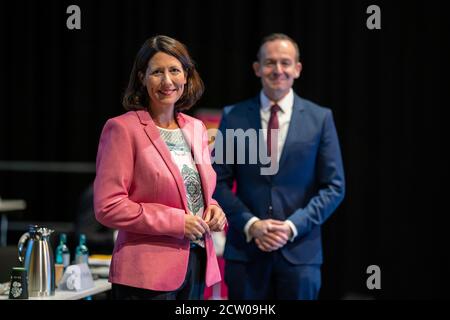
<point x="284" y="118"/>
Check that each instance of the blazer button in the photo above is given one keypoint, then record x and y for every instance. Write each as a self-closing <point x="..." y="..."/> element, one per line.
<point x="270" y="210"/>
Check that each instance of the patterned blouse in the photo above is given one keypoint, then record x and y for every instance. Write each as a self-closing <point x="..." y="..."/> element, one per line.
<point x="182" y="157"/>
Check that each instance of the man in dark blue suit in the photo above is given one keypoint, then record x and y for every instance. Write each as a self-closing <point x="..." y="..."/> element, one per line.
<point x="273" y="248"/>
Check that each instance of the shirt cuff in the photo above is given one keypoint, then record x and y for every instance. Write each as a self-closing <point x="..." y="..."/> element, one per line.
<point x="293" y="228"/>
<point x="247" y="228"/>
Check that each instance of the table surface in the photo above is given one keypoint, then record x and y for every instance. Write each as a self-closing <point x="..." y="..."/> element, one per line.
<point x="12" y="205"/>
<point x="101" y="285"/>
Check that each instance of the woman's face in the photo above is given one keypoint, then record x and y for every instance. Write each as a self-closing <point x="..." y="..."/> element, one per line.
<point x="164" y="80"/>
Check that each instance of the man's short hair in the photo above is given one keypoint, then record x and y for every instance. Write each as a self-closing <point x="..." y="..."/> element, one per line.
<point x="278" y="36"/>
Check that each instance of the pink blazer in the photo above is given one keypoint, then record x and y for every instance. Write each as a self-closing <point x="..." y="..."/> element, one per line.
<point x="139" y="191"/>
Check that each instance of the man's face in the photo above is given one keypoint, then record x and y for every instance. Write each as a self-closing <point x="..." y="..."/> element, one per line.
<point x="278" y="68"/>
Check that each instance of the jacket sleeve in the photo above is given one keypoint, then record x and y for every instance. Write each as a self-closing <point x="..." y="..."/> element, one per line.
<point x="330" y="179"/>
<point x="237" y="212"/>
<point x="114" y="175"/>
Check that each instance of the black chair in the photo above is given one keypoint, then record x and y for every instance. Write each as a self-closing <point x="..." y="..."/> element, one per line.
<point x="8" y="260"/>
<point x="100" y="239"/>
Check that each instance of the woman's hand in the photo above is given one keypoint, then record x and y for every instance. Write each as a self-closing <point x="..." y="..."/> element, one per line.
<point x="194" y="227"/>
<point x="215" y="218"/>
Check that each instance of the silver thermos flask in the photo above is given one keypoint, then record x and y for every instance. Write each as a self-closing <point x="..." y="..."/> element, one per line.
<point x="38" y="261"/>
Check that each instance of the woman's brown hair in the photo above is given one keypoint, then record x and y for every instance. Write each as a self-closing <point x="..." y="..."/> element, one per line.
<point x="136" y="96"/>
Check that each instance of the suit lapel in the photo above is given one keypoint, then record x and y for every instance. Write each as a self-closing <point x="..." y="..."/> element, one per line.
<point x="153" y="133"/>
<point x="254" y="118"/>
<point x="193" y="133"/>
<point x="295" y="127"/>
<point x="254" y="115"/>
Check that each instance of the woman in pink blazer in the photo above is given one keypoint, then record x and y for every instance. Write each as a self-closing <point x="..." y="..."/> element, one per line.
<point x="154" y="181"/>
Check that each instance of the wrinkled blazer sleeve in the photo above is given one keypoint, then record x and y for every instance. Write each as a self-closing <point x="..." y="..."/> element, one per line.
<point x="114" y="175"/>
<point x="331" y="182"/>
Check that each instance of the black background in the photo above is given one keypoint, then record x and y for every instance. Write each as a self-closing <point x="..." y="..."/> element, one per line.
<point x="386" y="89"/>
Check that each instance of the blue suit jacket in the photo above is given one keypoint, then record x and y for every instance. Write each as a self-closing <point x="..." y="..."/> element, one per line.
<point x="307" y="188"/>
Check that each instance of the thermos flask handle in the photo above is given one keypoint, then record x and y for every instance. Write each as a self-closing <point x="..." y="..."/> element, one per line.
<point x="23" y="239"/>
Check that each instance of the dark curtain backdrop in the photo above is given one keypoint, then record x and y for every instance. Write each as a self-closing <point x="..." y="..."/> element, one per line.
<point x="386" y="89"/>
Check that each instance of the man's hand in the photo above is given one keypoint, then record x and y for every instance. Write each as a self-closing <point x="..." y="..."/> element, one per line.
<point x="263" y="227"/>
<point x="215" y="218"/>
<point x="270" y="234"/>
<point x="271" y="241"/>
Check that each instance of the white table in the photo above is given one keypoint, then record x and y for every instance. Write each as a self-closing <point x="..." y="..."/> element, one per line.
<point x="101" y="285"/>
<point x="8" y="206"/>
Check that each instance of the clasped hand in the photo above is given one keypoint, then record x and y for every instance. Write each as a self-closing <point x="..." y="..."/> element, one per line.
<point x="195" y="227"/>
<point x="270" y="234"/>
